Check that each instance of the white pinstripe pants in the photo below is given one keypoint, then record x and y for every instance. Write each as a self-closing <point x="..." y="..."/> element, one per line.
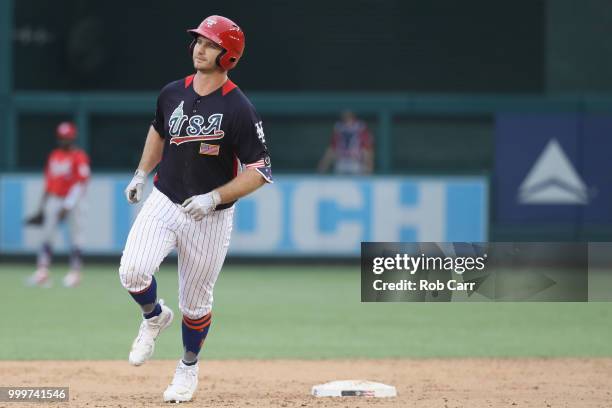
<point x="202" y="245"/>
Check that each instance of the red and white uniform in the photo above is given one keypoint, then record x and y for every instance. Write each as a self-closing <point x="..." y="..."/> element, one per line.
<point x="65" y="168"/>
<point x="66" y="174"/>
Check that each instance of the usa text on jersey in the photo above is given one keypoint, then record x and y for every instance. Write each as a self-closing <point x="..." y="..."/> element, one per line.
<point x="196" y="131"/>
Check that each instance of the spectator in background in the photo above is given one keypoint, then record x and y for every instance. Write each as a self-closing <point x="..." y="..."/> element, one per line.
<point x="351" y="148"/>
<point x="66" y="174"/>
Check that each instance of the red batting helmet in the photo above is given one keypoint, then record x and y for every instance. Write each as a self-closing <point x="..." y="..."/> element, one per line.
<point x="66" y="131"/>
<point x="225" y="33"/>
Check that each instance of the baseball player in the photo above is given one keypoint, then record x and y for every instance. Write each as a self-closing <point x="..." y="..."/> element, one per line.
<point x="208" y="143"/>
<point x="66" y="175"/>
<point x="351" y="147"/>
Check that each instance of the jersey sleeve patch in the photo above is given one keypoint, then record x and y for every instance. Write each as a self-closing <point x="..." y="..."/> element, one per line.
<point x="263" y="167"/>
<point x="266" y="173"/>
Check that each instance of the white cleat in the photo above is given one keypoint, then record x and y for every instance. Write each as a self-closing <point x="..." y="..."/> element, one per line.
<point x="144" y="344"/>
<point x="72" y="279"/>
<point x="183" y="384"/>
<point x="39" y="278"/>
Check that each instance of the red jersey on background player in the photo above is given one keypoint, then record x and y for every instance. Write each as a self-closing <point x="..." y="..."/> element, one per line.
<point x="351" y="147"/>
<point x="66" y="174"/>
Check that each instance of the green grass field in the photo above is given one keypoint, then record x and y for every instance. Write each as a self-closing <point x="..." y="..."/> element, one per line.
<point x="288" y="312"/>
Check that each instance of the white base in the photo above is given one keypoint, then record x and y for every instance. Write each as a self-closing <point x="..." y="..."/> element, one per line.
<point x="354" y="388"/>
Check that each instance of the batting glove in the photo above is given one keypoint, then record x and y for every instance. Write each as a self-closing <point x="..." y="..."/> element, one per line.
<point x="133" y="192"/>
<point x="200" y="205"/>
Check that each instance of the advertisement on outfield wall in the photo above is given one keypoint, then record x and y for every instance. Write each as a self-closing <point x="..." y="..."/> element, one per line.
<point x="295" y="216"/>
<point x="553" y="168"/>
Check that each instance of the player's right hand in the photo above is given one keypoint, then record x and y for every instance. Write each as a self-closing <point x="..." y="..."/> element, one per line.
<point x="133" y="192"/>
<point x="199" y="206"/>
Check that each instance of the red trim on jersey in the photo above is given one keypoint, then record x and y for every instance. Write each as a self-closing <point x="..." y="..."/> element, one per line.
<point x="155" y="178"/>
<point x="259" y="163"/>
<point x="235" y="165"/>
<point x="177" y="140"/>
<point x="189" y="80"/>
<point x="228" y="87"/>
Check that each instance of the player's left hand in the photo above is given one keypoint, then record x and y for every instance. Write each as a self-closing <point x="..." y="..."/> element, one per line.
<point x="199" y="206"/>
<point x="36" y="219"/>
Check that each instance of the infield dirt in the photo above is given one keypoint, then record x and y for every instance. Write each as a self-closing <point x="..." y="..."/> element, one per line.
<point x="448" y="383"/>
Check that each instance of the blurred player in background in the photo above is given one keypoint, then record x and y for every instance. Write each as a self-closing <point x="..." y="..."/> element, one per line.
<point x="351" y="147"/>
<point x="204" y="130"/>
<point x="66" y="175"/>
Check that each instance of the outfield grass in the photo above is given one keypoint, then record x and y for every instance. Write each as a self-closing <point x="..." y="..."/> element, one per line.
<point x="289" y="312"/>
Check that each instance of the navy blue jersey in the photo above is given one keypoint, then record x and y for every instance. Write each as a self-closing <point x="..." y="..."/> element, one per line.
<point x="206" y="139"/>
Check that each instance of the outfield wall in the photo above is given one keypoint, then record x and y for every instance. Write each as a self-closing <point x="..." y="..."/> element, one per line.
<point x="295" y="216"/>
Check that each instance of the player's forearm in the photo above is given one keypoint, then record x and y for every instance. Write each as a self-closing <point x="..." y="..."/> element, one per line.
<point x="245" y="183"/>
<point x="152" y="152"/>
<point x="326" y="160"/>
